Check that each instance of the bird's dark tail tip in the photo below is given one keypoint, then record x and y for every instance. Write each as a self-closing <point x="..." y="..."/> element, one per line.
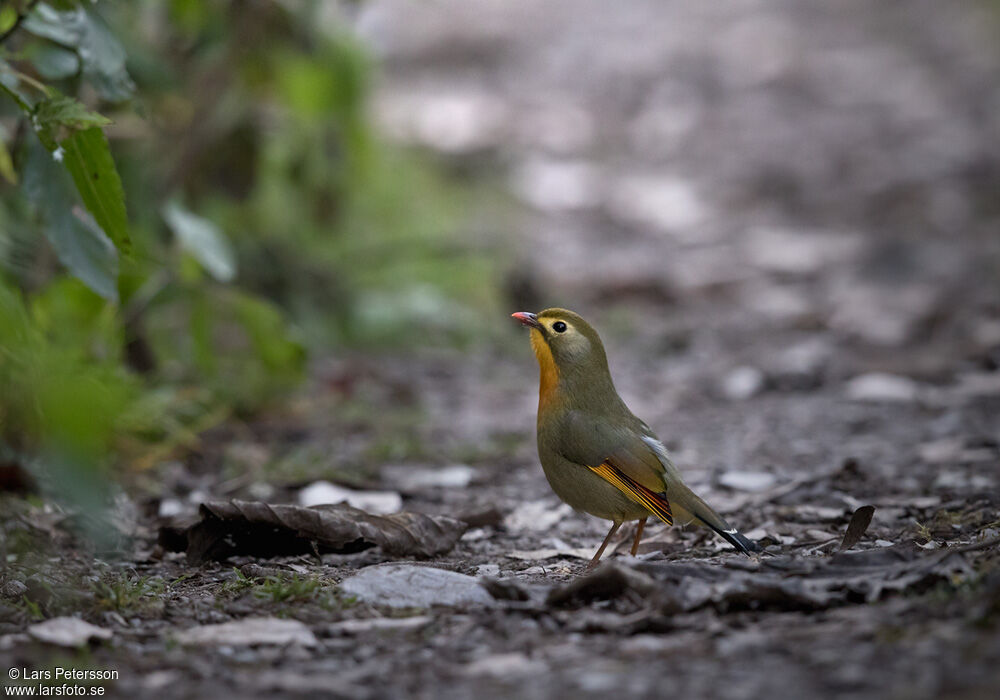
<point x="735" y="538"/>
<point x="747" y="546"/>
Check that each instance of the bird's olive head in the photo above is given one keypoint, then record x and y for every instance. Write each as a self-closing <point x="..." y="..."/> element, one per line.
<point x="570" y="340"/>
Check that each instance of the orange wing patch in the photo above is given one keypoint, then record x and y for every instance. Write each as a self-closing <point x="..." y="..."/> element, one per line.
<point x="657" y="503"/>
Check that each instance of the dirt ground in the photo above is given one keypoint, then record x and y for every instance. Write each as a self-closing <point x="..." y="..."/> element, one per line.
<point x="783" y="218"/>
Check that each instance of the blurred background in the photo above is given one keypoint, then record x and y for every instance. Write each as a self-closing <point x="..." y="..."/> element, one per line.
<point x="333" y="207"/>
<point x="268" y="249"/>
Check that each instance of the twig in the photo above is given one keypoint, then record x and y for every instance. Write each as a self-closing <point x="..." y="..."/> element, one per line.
<point x="982" y="544"/>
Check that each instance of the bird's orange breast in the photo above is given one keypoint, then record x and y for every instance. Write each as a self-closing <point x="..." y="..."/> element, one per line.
<point x="549" y="374"/>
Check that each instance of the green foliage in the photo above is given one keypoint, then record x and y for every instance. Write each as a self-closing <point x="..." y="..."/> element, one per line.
<point x="287" y="589"/>
<point x="78" y="242"/>
<point x="129" y="594"/>
<point x="61" y="398"/>
<point x="203" y="240"/>
<point x="89" y="161"/>
<point x="263" y="217"/>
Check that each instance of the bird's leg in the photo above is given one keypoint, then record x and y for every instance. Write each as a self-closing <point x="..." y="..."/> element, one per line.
<point x="600" y="550"/>
<point x="638" y="536"/>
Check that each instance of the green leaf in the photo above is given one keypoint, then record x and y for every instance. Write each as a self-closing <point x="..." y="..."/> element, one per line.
<point x="61" y="27"/>
<point x="6" y="163"/>
<point x="89" y="161"/>
<point x="203" y="240"/>
<point x="102" y="57"/>
<point x="65" y="111"/>
<point x="54" y="62"/>
<point x="8" y="16"/>
<point x="269" y="335"/>
<point x="79" y="243"/>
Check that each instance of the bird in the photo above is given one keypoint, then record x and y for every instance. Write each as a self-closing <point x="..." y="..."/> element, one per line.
<point x="596" y="454"/>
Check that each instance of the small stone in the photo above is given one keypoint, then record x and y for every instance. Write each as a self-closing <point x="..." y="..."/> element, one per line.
<point x="323" y="492"/>
<point x="250" y="631"/>
<point x="743" y="383"/>
<point x="411" y="479"/>
<point x="379" y="624"/>
<point x="488" y="570"/>
<point x="536" y="516"/>
<point x="978" y="384"/>
<point x="68" y="632"/>
<point x="943" y="451"/>
<point x="554" y="185"/>
<point x="783" y="305"/>
<point x="754" y="482"/>
<point x="883" y="315"/>
<point x="882" y="387"/>
<point x="171" y="507"/>
<point x="663" y="203"/>
<point x="413" y="586"/>
<point x="793" y="252"/>
<point x="13" y="590"/>
<point x="452" y="123"/>
<point x="801" y="366"/>
<point x="506" y="666"/>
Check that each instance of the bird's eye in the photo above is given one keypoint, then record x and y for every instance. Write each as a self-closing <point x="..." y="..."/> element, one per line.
<point x="559" y="326"/>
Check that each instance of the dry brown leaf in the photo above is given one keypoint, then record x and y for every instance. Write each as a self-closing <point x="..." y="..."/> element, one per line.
<point x="856" y="529"/>
<point x="262" y="529"/>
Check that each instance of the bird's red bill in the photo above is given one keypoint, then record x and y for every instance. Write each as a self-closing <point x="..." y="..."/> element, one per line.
<point x="527" y="319"/>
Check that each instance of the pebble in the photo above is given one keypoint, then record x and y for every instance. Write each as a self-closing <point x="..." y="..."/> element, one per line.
<point x="558" y="185"/>
<point x="414" y="586"/>
<point x="882" y="387"/>
<point x="409" y="478"/>
<point x="323" y="492"/>
<point x="534" y="516"/>
<point x="506" y="666"/>
<point x="68" y="632"/>
<point x="13" y="590"/>
<point x="250" y="631"/>
<point x="754" y="482"/>
<point x="742" y="383"/>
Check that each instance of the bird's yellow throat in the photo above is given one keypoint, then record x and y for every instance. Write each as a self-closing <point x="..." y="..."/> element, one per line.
<point x="547" y="365"/>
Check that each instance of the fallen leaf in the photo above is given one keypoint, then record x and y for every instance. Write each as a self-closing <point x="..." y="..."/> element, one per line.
<point x="261" y="529"/>
<point x="250" y="631"/>
<point x="856" y="529"/>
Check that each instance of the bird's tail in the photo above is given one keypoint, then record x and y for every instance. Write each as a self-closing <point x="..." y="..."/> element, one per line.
<point x="687" y="501"/>
<point x="735" y="538"/>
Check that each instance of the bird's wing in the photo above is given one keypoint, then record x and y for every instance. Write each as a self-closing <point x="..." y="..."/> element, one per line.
<point x="620" y="456"/>
<point x="637" y="464"/>
<point x="657" y="503"/>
